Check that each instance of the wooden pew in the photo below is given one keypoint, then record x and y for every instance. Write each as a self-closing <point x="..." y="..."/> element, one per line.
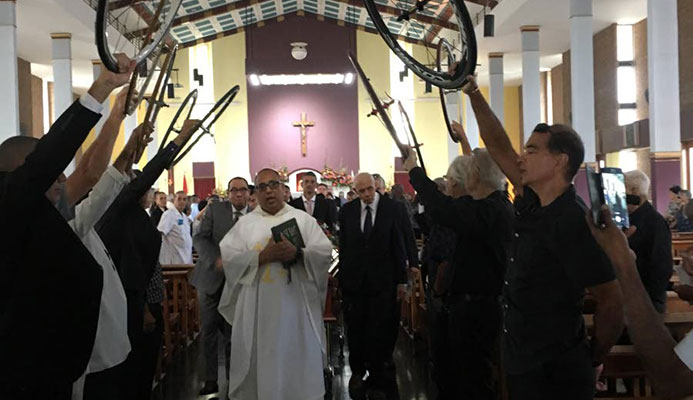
<point x="623" y="363"/>
<point x="188" y="299"/>
<point x="171" y="317"/>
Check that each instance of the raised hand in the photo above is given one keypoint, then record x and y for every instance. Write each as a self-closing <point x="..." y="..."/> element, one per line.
<point x="188" y="129"/>
<point x="109" y="81"/>
<point x="119" y="106"/>
<point x="461" y="136"/>
<point x="139" y="139"/>
<point x="411" y="161"/>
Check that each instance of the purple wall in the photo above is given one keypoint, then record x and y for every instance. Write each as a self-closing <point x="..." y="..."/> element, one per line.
<point x="665" y="174"/>
<point x="273" y="140"/>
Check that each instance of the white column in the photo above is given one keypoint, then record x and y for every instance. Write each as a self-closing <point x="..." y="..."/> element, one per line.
<point x="153" y="146"/>
<point x="582" y="75"/>
<point x="454" y="99"/>
<point x="495" y="87"/>
<point x="470" y="125"/>
<point x="62" y="78"/>
<point x="129" y="125"/>
<point x="531" y="86"/>
<point x="96" y="65"/>
<point x="663" y="74"/>
<point x="9" y="100"/>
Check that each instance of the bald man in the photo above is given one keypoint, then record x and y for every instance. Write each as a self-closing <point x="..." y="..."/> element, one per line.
<point x="51" y="285"/>
<point x="372" y="263"/>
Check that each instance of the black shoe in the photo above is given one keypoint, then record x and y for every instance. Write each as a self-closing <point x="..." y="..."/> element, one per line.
<point x="210" y="387"/>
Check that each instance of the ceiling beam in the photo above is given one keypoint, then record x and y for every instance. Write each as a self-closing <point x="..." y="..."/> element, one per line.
<point x="383" y="9"/>
<point x="488" y="3"/>
<point x="114" y="5"/>
<point x="300" y="13"/>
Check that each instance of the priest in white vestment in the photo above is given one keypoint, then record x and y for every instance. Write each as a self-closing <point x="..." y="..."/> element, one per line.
<point x="278" y="343"/>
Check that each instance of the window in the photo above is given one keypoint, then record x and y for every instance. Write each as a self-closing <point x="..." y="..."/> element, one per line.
<point x="625" y="75"/>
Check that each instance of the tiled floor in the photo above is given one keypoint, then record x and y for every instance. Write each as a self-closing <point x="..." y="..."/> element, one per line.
<point x="183" y="379"/>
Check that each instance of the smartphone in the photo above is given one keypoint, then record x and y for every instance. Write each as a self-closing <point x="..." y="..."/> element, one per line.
<point x="608" y="187"/>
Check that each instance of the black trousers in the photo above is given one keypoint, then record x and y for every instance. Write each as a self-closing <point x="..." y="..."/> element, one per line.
<point x="371" y="321"/>
<point x="473" y="355"/>
<point x="439" y="347"/>
<point x="11" y="390"/>
<point x="132" y="379"/>
<point x="568" y="377"/>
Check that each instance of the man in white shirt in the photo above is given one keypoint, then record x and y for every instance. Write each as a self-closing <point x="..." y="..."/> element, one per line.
<point x="174" y="226"/>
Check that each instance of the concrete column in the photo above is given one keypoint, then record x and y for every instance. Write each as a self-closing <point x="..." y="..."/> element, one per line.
<point x="62" y="78"/>
<point x="96" y="65"/>
<point x="470" y="125"/>
<point x="9" y="101"/>
<point x="665" y="107"/>
<point x="153" y="146"/>
<point x="129" y="125"/>
<point x="582" y="75"/>
<point x="531" y="84"/>
<point x="495" y="66"/>
<point x="455" y="114"/>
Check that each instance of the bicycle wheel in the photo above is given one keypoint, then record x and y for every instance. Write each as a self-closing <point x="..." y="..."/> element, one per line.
<point x="156" y="101"/>
<point x="219" y="107"/>
<point x="418" y="16"/>
<point x="406" y="122"/>
<point x="141" y="27"/>
<point x="176" y="125"/>
<point x="449" y="99"/>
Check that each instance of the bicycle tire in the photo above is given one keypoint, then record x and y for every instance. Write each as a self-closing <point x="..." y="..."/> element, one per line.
<point x="436" y="78"/>
<point x="192" y="96"/>
<point x="101" y="27"/>
<point x="223" y="102"/>
<point x="417" y="147"/>
<point x="448" y="124"/>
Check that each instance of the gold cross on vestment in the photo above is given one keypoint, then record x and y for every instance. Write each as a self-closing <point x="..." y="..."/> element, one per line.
<point x="303" y="124"/>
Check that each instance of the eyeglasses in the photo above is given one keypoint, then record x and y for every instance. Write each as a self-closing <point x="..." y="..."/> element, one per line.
<point x="236" y="190"/>
<point x="271" y="184"/>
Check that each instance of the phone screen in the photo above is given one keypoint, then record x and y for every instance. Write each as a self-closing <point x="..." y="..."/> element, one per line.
<point x="595" y="190"/>
<point x="614" y="188"/>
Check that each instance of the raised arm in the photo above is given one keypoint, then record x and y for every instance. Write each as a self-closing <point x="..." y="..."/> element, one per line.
<point x="98" y="156"/>
<point x="670" y="377"/>
<point x="462" y="137"/>
<point x="492" y="132"/>
<point x="91" y="209"/>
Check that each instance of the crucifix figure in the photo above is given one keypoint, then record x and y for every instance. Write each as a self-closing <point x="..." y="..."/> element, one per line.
<point x="303" y="124"/>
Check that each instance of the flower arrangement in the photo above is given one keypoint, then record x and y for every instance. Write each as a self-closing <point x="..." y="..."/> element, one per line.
<point x="337" y="178"/>
<point x="283" y="174"/>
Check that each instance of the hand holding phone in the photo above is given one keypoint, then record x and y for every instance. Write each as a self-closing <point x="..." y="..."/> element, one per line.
<point x="608" y="187"/>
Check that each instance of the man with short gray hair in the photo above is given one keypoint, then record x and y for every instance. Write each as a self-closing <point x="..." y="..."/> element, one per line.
<point x="477" y="209"/>
<point x="651" y="240"/>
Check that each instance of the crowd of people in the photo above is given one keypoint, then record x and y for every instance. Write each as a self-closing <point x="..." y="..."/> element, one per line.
<point x="506" y="280"/>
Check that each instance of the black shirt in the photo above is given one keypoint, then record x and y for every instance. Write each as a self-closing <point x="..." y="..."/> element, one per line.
<point x="553" y="259"/>
<point x="651" y="243"/>
<point x="483" y="229"/>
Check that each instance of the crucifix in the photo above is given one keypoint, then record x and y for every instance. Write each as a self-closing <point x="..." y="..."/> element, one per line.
<point x="303" y="124"/>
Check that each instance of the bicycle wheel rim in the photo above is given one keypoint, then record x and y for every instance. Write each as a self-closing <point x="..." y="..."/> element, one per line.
<point x="430" y="75"/>
<point x="141" y="89"/>
<point x="191" y="97"/>
<point x="443" y="47"/>
<point x="101" y="29"/>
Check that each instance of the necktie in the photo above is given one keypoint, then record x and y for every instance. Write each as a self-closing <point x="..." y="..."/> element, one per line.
<point x="368" y="224"/>
<point x="236" y="215"/>
<point x="309" y="207"/>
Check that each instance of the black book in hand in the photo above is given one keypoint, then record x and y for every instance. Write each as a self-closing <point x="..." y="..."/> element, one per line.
<point x="290" y="231"/>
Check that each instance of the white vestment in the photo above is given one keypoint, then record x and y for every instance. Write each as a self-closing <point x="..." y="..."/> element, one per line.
<point x="278" y="342"/>
<point x="111" y="345"/>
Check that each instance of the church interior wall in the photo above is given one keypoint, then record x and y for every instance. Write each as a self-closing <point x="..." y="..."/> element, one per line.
<point x="272" y="110"/>
<point x="685" y="14"/>
<point x="512" y="111"/>
<point x="375" y="144"/>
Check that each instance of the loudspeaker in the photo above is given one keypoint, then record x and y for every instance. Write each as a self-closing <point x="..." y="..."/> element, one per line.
<point x="489" y="25"/>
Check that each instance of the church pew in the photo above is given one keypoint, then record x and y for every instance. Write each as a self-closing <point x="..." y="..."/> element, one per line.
<point x="622" y="362"/>
<point x="679" y="323"/>
<point x="185" y="298"/>
<point x="171" y="318"/>
<point x="681" y="244"/>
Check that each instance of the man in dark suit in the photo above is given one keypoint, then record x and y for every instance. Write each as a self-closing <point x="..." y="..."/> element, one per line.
<point x="158" y="208"/>
<point x="372" y="271"/>
<point x="320" y="208"/>
<point x="208" y="275"/>
<point x="50" y="289"/>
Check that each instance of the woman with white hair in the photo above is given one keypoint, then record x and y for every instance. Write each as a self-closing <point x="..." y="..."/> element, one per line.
<point x="651" y="240"/>
<point x="477" y="209"/>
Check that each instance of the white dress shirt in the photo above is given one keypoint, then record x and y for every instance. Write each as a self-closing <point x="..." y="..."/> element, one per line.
<point x="90" y="103"/>
<point x="310" y="210"/>
<point x="176" y="247"/>
<point x="374" y="208"/>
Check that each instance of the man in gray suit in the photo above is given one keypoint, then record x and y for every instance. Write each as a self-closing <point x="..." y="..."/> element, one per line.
<point x="208" y="275"/>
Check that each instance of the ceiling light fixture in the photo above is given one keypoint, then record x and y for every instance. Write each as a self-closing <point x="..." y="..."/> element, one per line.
<point x="298" y="50"/>
<point x="254" y="80"/>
